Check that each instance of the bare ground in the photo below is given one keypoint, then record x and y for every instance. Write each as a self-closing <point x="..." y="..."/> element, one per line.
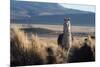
<point x="79" y="32"/>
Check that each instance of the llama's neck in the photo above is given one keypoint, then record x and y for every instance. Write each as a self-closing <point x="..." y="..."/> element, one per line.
<point x="67" y="34"/>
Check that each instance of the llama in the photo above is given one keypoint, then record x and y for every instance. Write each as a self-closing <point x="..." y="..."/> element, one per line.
<point x="65" y="39"/>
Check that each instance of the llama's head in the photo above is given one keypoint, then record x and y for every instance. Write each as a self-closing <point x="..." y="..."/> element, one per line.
<point x="66" y="19"/>
<point x="66" y="25"/>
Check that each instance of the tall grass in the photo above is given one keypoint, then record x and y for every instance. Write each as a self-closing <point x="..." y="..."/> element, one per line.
<point x="82" y="50"/>
<point x="25" y="51"/>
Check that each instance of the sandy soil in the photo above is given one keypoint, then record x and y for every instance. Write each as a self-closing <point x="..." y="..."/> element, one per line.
<point x="57" y="27"/>
<point x="52" y="37"/>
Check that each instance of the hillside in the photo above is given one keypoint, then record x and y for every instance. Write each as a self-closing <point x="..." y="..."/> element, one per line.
<point x="48" y="13"/>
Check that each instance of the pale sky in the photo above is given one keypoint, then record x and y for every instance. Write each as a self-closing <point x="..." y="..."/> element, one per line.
<point x="80" y="7"/>
<point x="90" y="8"/>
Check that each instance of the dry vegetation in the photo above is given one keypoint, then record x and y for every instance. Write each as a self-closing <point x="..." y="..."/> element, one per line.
<point x="25" y="51"/>
<point x="82" y="50"/>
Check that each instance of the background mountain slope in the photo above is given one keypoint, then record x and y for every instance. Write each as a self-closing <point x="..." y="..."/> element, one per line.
<point x="48" y="13"/>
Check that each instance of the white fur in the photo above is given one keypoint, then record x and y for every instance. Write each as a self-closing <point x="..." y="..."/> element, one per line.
<point x="67" y="39"/>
